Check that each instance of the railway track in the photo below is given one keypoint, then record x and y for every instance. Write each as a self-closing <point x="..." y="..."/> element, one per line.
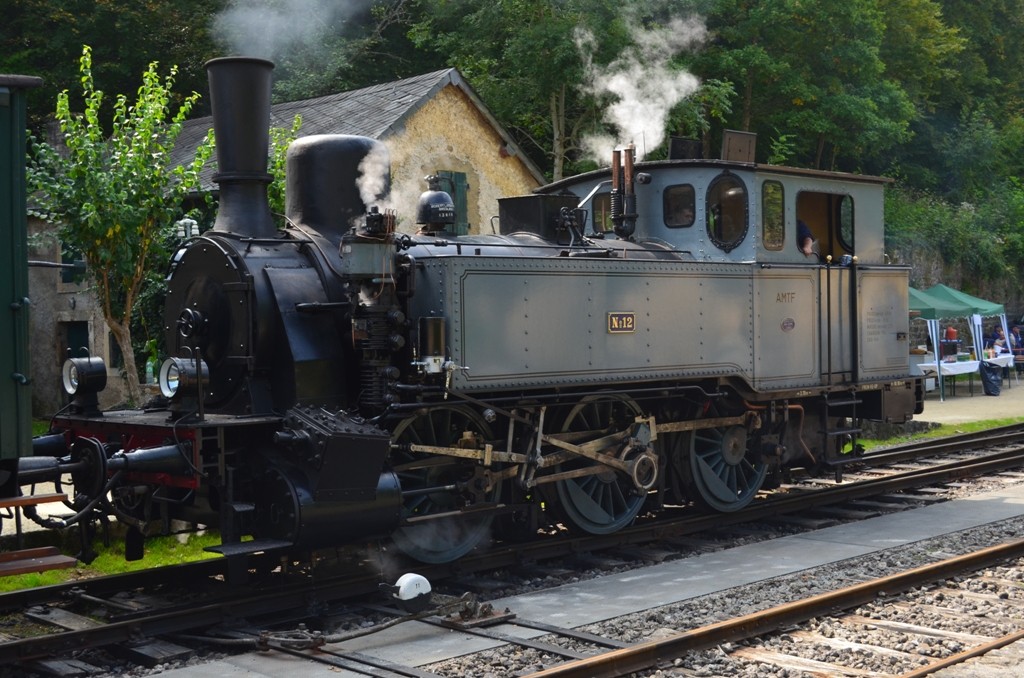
<point x="60" y="627"/>
<point x="795" y="635"/>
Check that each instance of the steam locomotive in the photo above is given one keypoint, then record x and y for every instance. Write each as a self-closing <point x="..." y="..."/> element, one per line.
<point x="641" y="336"/>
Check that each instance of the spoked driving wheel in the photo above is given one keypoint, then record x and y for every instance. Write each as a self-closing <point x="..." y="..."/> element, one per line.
<point x="725" y="477"/>
<point x="607" y="501"/>
<point x="435" y="484"/>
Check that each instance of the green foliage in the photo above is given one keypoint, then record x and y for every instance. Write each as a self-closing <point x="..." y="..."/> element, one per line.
<point x="811" y="69"/>
<point x="280" y="137"/>
<point x="524" y="59"/>
<point x="32" y="580"/>
<point x="115" y="197"/>
<point x="781" y="149"/>
<point x="40" y="37"/>
<point x="920" y="50"/>
<point x="964" y="237"/>
<point x="710" y="104"/>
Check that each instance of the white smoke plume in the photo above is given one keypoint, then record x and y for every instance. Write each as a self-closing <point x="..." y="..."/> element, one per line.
<point x="272" y="28"/>
<point x="374" y="175"/>
<point x="642" y="83"/>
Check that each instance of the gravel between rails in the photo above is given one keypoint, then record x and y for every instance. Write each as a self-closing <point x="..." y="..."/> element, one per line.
<point x="649" y="624"/>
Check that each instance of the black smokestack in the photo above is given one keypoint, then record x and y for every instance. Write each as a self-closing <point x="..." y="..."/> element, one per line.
<point x="240" y="100"/>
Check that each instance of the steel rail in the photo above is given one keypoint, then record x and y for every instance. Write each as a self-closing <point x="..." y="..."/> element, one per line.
<point x="1006" y="435"/>
<point x="142" y="579"/>
<point x="961" y="657"/>
<point x="186" y="617"/>
<point x="649" y="654"/>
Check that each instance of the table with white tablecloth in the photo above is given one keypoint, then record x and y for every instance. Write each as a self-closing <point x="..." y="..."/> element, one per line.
<point x="1004" y="360"/>
<point x="952" y="369"/>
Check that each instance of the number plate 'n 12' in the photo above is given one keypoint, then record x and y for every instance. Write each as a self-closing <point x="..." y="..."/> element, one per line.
<point x="621" y="323"/>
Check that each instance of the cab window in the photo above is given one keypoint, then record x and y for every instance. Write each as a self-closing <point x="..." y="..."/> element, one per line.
<point x="727" y="212"/>
<point x="772" y="220"/>
<point x="679" y="206"/>
<point x="601" y="212"/>
<point x="846" y="223"/>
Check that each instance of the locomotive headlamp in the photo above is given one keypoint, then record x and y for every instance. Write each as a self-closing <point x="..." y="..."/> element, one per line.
<point x="180" y="376"/>
<point x="82" y="376"/>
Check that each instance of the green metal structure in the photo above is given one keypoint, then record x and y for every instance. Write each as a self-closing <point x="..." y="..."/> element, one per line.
<point x="15" y="400"/>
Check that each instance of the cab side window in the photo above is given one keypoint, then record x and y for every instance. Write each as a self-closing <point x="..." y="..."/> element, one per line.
<point x="772" y="217"/>
<point x="846" y="223"/>
<point x="601" y="213"/>
<point x="727" y="212"/>
<point x="679" y="205"/>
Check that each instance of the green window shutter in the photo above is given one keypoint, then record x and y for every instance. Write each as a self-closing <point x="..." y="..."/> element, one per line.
<point x="457" y="186"/>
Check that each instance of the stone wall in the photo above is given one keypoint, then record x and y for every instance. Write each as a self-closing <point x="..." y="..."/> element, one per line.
<point x="56" y="308"/>
<point x="449" y="133"/>
<point x="927" y="269"/>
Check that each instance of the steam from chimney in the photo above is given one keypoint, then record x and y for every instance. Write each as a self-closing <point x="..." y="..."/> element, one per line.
<point x="272" y="29"/>
<point x="374" y="177"/>
<point x="642" y="83"/>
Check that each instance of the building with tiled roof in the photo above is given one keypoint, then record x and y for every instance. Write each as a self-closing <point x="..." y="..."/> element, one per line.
<point x="432" y="124"/>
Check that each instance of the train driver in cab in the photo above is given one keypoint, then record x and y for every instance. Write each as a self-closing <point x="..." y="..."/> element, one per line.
<point x="805" y="241"/>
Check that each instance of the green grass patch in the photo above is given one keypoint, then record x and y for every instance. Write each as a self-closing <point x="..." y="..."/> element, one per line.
<point x="942" y="431"/>
<point x="160" y="551"/>
<point x="40" y="426"/>
<point x="36" y="579"/>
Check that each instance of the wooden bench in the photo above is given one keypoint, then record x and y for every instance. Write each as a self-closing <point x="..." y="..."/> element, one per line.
<point x="38" y="559"/>
<point x="34" y="560"/>
<point x="17" y="503"/>
<point x="32" y="500"/>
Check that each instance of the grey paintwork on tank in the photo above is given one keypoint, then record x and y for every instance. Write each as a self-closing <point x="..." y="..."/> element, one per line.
<point x="544" y="321"/>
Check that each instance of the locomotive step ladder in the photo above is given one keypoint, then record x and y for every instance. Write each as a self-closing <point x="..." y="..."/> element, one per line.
<point x="233" y="545"/>
<point x="247" y="548"/>
<point x="841" y="405"/>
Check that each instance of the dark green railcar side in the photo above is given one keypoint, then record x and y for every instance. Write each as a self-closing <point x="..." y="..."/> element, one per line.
<point x="15" y="400"/>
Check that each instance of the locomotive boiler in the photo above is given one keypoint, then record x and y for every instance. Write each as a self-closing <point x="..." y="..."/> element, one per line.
<point x="641" y="336"/>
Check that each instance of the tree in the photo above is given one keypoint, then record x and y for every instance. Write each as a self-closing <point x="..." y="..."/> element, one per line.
<point x="522" y="57"/>
<point x="41" y="37"/>
<point x="115" y="198"/>
<point x="991" y="65"/>
<point x="280" y="139"/>
<point x="811" y="69"/>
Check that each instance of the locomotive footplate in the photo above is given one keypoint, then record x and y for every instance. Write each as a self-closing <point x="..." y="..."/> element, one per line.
<point x="130" y="420"/>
